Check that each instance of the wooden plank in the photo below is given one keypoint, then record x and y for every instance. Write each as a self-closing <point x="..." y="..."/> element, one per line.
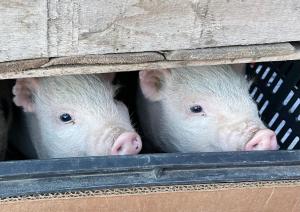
<point x="63" y="26"/>
<point x="233" y="52"/>
<point x="21" y="65"/>
<point x="79" y="65"/>
<point x="79" y="27"/>
<point x="124" y="58"/>
<point x="43" y="28"/>
<point x="218" y="53"/>
<point x="23" y="29"/>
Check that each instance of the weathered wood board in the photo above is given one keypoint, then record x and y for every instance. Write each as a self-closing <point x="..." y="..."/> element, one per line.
<point x="23" y="29"/>
<point x="51" y="28"/>
<point x="139" y="61"/>
<point x="89" y="64"/>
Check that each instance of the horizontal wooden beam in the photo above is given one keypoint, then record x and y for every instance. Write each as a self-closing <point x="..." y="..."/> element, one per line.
<point x="89" y="64"/>
<point x="52" y="28"/>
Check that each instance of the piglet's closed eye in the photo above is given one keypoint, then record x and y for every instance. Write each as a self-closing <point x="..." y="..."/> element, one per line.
<point x="23" y="91"/>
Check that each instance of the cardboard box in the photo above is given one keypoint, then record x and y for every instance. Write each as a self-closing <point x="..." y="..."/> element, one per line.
<point x="230" y="181"/>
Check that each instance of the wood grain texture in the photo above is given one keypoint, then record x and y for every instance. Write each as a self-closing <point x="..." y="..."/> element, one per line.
<point x="23" y="29"/>
<point x="21" y="65"/>
<point x="54" y="28"/>
<point x="100" y="26"/>
<point x="123" y="58"/>
<point x="114" y="63"/>
<point x="233" y="52"/>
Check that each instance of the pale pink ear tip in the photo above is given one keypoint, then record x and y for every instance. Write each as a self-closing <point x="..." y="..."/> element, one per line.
<point x="14" y="90"/>
<point x="15" y="100"/>
<point x="142" y="75"/>
<point x="21" y="91"/>
<point x="25" y="106"/>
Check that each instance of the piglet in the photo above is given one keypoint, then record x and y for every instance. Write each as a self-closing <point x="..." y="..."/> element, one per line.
<point x="200" y="109"/>
<point x="73" y="116"/>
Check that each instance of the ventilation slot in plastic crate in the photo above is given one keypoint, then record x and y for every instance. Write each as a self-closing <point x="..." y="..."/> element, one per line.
<point x="275" y="88"/>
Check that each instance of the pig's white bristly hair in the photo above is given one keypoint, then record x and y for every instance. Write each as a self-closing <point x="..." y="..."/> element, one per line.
<point x="222" y="91"/>
<point x="87" y="91"/>
<point x="98" y="118"/>
<point x="231" y="89"/>
<point x="222" y="84"/>
<point x="199" y="80"/>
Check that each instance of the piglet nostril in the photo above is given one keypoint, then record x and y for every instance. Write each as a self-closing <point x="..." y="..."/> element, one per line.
<point x="136" y="144"/>
<point x="127" y="143"/>
<point x="119" y="149"/>
<point x="263" y="140"/>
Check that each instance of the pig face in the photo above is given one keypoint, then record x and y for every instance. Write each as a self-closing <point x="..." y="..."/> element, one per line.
<point x="204" y="108"/>
<point x="76" y="116"/>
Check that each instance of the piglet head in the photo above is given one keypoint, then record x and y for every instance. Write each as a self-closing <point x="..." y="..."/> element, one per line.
<point x="72" y="116"/>
<point x="205" y="108"/>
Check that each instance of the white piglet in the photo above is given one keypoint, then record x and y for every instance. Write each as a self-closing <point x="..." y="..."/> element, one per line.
<point x="200" y="109"/>
<point x="73" y="116"/>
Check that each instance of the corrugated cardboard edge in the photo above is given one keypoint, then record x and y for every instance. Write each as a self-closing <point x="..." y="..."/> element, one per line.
<point x="152" y="190"/>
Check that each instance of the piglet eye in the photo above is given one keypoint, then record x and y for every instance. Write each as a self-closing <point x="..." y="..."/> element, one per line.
<point x="65" y="118"/>
<point x="196" y="109"/>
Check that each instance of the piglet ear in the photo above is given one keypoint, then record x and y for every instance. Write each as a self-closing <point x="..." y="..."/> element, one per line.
<point x="239" y="68"/>
<point x="151" y="83"/>
<point x="23" y="91"/>
<point x="109" y="76"/>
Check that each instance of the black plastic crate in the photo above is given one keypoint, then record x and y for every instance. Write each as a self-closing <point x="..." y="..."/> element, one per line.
<point x="34" y="177"/>
<point x="275" y="88"/>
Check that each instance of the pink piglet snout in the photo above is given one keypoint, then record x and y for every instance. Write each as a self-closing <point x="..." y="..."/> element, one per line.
<point x="128" y="143"/>
<point x="263" y="140"/>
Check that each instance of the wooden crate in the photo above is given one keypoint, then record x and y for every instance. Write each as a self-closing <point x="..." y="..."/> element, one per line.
<point x="164" y="33"/>
<point x="59" y="37"/>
